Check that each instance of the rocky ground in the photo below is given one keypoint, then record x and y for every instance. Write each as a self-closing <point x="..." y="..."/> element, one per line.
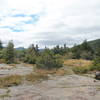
<point x="20" y="69"/>
<point x="67" y="87"/>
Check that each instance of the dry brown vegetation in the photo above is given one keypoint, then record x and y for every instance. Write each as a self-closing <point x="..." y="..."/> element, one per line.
<point x="78" y="66"/>
<point x="76" y="62"/>
<point x="14" y="80"/>
<point x="55" y="71"/>
<point x="10" y="81"/>
<point x="35" y="77"/>
<point x="70" y="66"/>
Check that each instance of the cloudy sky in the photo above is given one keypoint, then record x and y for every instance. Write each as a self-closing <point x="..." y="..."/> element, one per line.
<point x="49" y="22"/>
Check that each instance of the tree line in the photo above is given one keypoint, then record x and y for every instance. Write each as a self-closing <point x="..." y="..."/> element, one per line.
<point x="47" y="58"/>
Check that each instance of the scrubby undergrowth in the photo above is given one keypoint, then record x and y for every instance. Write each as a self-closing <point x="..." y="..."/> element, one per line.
<point x="8" y="81"/>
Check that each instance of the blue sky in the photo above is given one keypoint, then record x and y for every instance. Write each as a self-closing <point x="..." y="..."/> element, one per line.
<point x="49" y="22"/>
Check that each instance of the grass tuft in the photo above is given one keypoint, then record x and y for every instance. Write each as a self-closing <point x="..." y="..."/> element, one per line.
<point x="35" y="77"/>
<point x="8" y="81"/>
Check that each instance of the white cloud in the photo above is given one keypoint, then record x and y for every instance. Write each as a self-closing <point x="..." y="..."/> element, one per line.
<point x="59" y="21"/>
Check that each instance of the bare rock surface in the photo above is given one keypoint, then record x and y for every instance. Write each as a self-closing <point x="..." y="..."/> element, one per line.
<point x="20" y="69"/>
<point x="68" y="87"/>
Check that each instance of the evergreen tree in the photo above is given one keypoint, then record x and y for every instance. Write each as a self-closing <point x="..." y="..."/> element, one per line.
<point x="65" y="49"/>
<point x="31" y="55"/>
<point x="76" y="52"/>
<point x="1" y="46"/>
<point x="86" y="51"/>
<point x="86" y="47"/>
<point x="37" y="50"/>
<point x="65" y="46"/>
<point x="1" y="50"/>
<point x="9" y="55"/>
<point x="83" y="51"/>
<point x="56" y="50"/>
<point x="98" y="52"/>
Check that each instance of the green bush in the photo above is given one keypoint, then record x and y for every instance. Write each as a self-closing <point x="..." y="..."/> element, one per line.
<point x="96" y="64"/>
<point x="31" y="59"/>
<point x="81" y="70"/>
<point x="97" y="67"/>
<point x="31" y="54"/>
<point x="48" y="60"/>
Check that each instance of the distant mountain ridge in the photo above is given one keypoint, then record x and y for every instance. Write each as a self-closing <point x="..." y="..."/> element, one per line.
<point x="95" y="44"/>
<point x="20" y="48"/>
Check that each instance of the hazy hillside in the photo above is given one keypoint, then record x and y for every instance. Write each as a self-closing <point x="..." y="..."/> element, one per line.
<point x="95" y="44"/>
<point x="20" y="48"/>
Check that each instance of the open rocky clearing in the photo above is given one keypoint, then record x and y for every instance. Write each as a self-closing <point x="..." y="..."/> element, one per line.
<point x="67" y="87"/>
<point x="19" y="69"/>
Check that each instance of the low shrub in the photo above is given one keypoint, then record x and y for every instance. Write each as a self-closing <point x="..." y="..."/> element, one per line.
<point x="64" y="72"/>
<point x="8" y="81"/>
<point x="81" y="70"/>
<point x="48" y="61"/>
<point x="95" y="67"/>
<point x="2" y="61"/>
<point x="96" y="64"/>
<point x="35" y="77"/>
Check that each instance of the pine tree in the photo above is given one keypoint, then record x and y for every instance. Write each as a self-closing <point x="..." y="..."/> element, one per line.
<point x="76" y="52"/>
<point x="86" y="51"/>
<point x="9" y="55"/>
<point x="37" y="50"/>
<point x="31" y="55"/>
<point x="98" y="52"/>
<point x="65" y="46"/>
<point x="86" y="47"/>
<point x="1" y="46"/>
<point x="65" y="49"/>
<point x="56" y="50"/>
